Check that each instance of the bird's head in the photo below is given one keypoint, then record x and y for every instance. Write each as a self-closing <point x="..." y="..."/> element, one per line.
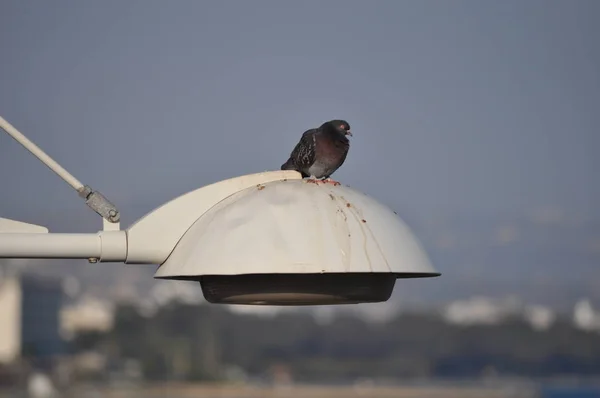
<point x="341" y="126"/>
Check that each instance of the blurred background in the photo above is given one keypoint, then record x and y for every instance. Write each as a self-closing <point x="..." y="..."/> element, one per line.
<point x="477" y="121"/>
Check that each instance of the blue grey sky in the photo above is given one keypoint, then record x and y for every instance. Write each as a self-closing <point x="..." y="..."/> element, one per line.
<point x="456" y="106"/>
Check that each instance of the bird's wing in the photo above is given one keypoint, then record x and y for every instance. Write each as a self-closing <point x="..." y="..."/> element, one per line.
<point x="305" y="151"/>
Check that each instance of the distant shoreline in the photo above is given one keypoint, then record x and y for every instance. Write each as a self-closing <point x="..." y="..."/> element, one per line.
<point x="428" y="389"/>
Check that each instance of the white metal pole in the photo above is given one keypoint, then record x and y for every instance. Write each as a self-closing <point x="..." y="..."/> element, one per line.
<point x="103" y="246"/>
<point x="41" y="155"/>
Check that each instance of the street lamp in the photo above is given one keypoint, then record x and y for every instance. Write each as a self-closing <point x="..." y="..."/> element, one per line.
<point x="269" y="238"/>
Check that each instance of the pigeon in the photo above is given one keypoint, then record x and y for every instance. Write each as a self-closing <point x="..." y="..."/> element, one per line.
<point x="321" y="151"/>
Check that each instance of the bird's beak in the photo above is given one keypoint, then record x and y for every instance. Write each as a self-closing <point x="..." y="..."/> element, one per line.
<point x="349" y="133"/>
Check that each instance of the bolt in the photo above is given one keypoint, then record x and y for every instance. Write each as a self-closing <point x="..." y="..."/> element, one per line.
<point x="113" y="215"/>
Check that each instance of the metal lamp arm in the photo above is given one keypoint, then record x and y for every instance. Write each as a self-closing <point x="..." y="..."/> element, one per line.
<point x="94" y="199"/>
<point x="105" y="246"/>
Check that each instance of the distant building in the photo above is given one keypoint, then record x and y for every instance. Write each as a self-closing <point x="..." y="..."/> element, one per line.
<point x="87" y="314"/>
<point x="539" y="317"/>
<point x="29" y="318"/>
<point x="481" y="310"/>
<point x="10" y="320"/>
<point x="484" y="310"/>
<point x="584" y="316"/>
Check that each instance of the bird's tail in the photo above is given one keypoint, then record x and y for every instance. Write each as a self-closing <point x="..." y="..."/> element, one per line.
<point x="289" y="165"/>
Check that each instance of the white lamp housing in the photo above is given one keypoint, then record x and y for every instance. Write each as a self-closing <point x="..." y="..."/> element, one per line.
<point x="274" y="238"/>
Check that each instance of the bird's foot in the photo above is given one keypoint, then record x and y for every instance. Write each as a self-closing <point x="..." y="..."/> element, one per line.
<point x="317" y="181"/>
<point x="330" y="181"/>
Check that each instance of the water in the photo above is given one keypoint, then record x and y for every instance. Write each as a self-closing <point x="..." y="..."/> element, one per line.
<point x="570" y="392"/>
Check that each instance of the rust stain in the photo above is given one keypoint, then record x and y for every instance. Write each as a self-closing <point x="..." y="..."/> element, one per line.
<point x="341" y="230"/>
<point x="353" y="214"/>
<point x="357" y="214"/>
<point x="343" y="214"/>
<point x="378" y="246"/>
